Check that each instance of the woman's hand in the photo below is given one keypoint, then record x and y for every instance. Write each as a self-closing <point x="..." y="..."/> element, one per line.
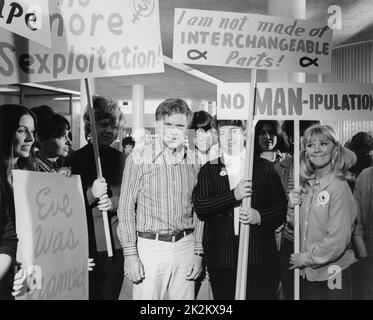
<point x="20" y="286"/>
<point x="298" y="260"/>
<point x="66" y="171"/>
<point x="295" y="198"/>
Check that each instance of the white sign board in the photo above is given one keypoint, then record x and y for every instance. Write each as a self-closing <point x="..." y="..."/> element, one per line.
<point x="89" y="39"/>
<point x="233" y="100"/>
<point x="253" y="41"/>
<point x="300" y="101"/>
<point x="29" y="19"/>
<point x="52" y="232"/>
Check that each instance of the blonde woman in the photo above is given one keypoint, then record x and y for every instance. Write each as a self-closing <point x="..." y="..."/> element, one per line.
<point x="327" y="217"/>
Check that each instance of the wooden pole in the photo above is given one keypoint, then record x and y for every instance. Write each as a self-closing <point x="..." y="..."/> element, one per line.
<point x="94" y="142"/>
<point x="243" y="250"/>
<point x="296" y="209"/>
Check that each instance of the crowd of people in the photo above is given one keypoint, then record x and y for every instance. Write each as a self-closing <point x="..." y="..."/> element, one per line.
<point x="175" y="203"/>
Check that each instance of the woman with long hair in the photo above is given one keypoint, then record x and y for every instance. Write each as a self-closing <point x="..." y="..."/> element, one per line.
<point x="17" y="137"/>
<point x="328" y="215"/>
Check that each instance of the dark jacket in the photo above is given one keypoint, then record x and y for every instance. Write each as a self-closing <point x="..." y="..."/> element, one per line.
<point x="8" y="242"/>
<point x="82" y="162"/>
<point x="214" y="203"/>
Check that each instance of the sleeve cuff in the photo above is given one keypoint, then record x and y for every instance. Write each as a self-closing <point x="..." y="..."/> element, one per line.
<point x="129" y="251"/>
<point x="198" y="248"/>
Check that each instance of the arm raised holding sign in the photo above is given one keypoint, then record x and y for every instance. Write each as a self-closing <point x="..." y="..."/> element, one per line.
<point x="101" y="194"/>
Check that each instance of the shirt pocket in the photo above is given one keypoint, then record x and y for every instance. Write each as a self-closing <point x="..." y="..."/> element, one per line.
<point x="321" y="215"/>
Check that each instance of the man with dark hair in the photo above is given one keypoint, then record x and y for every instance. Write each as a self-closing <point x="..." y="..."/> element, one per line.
<point x="105" y="281"/>
<point x="162" y="240"/>
<point x="218" y="195"/>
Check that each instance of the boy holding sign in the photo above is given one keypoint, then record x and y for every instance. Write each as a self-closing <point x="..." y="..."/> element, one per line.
<point x="218" y="196"/>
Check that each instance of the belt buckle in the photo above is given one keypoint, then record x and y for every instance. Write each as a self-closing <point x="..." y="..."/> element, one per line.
<point x="173" y="238"/>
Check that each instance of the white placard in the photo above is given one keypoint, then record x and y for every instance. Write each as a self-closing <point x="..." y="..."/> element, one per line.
<point x="89" y="39"/>
<point x="304" y="101"/>
<point x="53" y="238"/>
<point x="252" y="41"/>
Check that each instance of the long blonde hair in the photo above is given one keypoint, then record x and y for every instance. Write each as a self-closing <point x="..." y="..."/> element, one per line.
<point x="342" y="159"/>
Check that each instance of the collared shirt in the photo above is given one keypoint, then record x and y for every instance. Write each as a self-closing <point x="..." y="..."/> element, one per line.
<point x="236" y="170"/>
<point x="156" y="196"/>
<point x="45" y="165"/>
<point x="327" y="218"/>
<point x="212" y="155"/>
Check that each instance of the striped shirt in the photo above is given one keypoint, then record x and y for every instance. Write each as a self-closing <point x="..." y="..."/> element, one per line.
<point x="45" y="165"/>
<point x="157" y="196"/>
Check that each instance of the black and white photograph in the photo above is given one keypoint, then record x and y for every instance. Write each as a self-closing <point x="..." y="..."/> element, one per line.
<point x="182" y="155"/>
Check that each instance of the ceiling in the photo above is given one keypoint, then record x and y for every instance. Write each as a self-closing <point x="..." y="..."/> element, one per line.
<point x="357" y="24"/>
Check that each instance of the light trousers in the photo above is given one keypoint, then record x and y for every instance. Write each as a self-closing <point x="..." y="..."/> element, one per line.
<point x="166" y="266"/>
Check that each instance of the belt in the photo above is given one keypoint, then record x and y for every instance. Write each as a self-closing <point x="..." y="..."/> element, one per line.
<point x="165" y="237"/>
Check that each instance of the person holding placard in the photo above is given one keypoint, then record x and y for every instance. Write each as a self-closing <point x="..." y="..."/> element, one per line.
<point x="53" y="140"/>
<point x="218" y="195"/>
<point x="17" y="137"/>
<point x="285" y="169"/>
<point x="102" y="194"/>
<point x="328" y="213"/>
<point x="161" y="237"/>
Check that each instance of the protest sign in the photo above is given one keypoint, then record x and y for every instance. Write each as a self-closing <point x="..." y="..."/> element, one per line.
<point x="52" y="232"/>
<point x="29" y="19"/>
<point x="299" y="101"/>
<point x="87" y="40"/>
<point x="252" y="41"/>
<point x="233" y="100"/>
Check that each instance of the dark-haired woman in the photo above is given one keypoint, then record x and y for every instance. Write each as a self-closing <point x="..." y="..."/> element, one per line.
<point x="17" y="137"/>
<point x="54" y="143"/>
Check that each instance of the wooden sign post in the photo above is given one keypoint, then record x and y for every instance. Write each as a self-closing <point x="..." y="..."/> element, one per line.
<point x="94" y="142"/>
<point x="243" y="250"/>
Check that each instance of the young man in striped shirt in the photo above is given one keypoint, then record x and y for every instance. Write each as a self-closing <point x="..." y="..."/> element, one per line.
<point x="162" y="240"/>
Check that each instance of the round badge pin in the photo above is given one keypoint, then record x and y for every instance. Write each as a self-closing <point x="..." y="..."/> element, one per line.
<point x="223" y="172"/>
<point x="323" y="198"/>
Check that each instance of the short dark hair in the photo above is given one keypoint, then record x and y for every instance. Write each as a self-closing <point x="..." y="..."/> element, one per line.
<point x="201" y="120"/>
<point x="361" y="144"/>
<point x="128" y="141"/>
<point x="220" y="123"/>
<point x="172" y="106"/>
<point x="50" y="124"/>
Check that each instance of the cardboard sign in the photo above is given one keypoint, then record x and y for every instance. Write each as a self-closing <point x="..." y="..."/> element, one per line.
<point x="233" y="101"/>
<point x="303" y="101"/>
<point x="89" y="39"/>
<point x="29" y="19"/>
<point x="253" y="41"/>
<point x="52" y="232"/>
